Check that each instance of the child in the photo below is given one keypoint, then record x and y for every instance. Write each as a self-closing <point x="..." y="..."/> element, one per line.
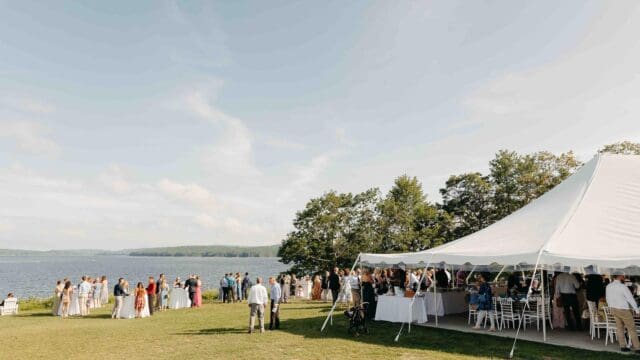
<point x="141" y="294"/>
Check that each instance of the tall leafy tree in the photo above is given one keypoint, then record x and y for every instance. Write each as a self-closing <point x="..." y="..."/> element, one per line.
<point x="332" y="230"/>
<point x="518" y="179"/>
<point x="408" y="222"/>
<point x="468" y="199"/>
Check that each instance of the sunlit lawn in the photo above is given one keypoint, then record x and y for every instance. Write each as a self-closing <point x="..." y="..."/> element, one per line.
<point x="219" y="331"/>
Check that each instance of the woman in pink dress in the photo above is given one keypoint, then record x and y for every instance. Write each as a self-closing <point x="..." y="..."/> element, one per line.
<point x="198" y="297"/>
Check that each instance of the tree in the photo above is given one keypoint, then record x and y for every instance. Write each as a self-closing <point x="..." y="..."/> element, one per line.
<point x="331" y="231"/>
<point x="408" y="222"/>
<point x="518" y="179"/>
<point x="468" y="199"/>
<point x="624" y="147"/>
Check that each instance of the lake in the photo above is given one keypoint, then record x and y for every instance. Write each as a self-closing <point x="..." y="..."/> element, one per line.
<point x="28" y="276"/>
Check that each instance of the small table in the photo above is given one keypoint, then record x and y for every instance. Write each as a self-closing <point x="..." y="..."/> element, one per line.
<point x="397" y="309"/>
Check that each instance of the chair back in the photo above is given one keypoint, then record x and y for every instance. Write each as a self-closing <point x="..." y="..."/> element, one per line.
<point x="608" y="316"/>
<point x="507" y="307"/>
<point x="10" y="306"/>
<point x="592" y="312"/>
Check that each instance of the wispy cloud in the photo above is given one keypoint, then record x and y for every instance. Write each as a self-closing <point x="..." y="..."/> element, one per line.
<point x="29" y="136"/>
<point x="192" y="194"/>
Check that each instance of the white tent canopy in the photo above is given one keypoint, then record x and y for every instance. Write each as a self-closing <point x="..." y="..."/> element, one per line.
<point x="591" y="218"/>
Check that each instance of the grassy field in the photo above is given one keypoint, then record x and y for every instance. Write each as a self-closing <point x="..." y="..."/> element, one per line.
<point x="219" y="331"/>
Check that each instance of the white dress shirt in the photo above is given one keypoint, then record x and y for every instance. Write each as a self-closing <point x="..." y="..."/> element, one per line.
<point x="258" y="295"/>
<point x="276" y="293"/>
<point x="413" y="279"/>
<point x="354" y="282"/>
<point x="619" y="297"/>
<point x="84" y="289"/>
<point x="566" y="284"/>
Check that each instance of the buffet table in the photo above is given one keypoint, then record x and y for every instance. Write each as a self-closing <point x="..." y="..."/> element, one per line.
<point x="448" y="302"/>
<point x="396" y="309"/>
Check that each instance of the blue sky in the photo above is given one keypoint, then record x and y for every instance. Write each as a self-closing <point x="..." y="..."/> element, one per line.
<point x="130" y="124"/>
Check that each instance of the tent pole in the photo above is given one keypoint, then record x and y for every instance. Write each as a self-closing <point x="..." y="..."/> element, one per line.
<point x="500" y="273"/>
<point x="335" y="303"/>
<point x="524" y="308"/>
<point x="435" y="299"/>
<point x="466" y="281"/>
<point x="544" y="307"/>
<point x="424" y="273"/>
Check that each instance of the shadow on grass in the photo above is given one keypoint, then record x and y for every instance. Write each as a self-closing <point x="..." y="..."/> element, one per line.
<point x="214" y="331"/>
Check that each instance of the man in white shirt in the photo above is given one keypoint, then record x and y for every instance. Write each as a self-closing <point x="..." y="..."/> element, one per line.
<point x="83" y="295"/>
<point x="621" y="302"/>
<point x="566" y="286"/>
<point x="354" y="284"/>
<point x="257" y="299"/>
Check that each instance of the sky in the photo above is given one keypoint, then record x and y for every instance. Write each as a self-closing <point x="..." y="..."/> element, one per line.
<point x="127" y="124"/>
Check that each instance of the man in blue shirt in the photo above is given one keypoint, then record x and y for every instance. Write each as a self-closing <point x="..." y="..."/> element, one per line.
<point x="231" y="284"/>
<point x="276" y="293"/>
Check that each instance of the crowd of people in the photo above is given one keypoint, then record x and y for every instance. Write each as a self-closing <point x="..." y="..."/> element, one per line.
<point x="93" y="293"/>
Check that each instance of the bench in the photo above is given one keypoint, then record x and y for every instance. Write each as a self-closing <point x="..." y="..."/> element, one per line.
<point x="10" y="307"/>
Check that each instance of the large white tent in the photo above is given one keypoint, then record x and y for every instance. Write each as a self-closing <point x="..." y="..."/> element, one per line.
<point x="590" y="219"/>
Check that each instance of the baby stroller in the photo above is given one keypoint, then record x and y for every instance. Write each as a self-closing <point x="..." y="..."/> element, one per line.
<point x="357" y="322"/>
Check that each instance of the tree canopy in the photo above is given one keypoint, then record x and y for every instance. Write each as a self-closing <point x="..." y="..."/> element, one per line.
<point x="331" y="230"/>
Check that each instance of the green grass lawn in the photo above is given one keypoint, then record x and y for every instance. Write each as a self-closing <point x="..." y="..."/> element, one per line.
<point x="219" y="331"/>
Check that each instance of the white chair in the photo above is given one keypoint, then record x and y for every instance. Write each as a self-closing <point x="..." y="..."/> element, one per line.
<point x="595" y="324"/>
<point x="507" y="314"/>
<point x="495" y="314"/>
<point x="10" y="307"/>
<point x="610" y="327"/>
<point x="532" y="312"/>
<point x="547" y="311"/>
<point x="473" y="314"/>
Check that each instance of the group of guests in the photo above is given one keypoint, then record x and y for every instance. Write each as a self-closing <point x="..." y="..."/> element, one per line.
<point x="155" y="296"/>
<point x="91" y="293"/>
<point x="234" y="288"/>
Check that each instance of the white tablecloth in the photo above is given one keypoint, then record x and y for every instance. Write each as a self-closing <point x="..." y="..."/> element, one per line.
<point x="128" y="310"/>
<point x="396" y="309"/>
<point x="447" y="303"/>
<point x="179" y="298"/>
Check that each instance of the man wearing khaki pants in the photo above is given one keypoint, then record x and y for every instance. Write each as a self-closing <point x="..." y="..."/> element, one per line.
<point x="620" y="301"/>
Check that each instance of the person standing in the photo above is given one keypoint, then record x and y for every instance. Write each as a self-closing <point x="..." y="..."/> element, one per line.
<point x="191" y="285"/>
<point x="83" y="295"/>
<point x="57" y="294"/>
<point x="566" y="286"/>
<point x="485" y="303"/>
<point x="140" y="299"/>
<point x="198" y="296"/>
<point x="65" y="298"/>
<point x="246" y="285"/>
<point x="621" y="302"/>
<point x="118" y="294"/>
<point x="104" y="290"/>
<point x="325" y="287"/>
<point x="276" y="293"/>
<point x="354" y="284"/>
<point x="334" y="284"/>
<point x="257" y="299"/>
<point x="238" y="289"/>
<point x="151" y="294"/>
<point x="223" y="288"/>
<point x="231" y="285"/>
<point x="157" y="304"/>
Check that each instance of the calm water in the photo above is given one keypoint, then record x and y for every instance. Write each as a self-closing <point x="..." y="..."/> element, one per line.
<point x="28" y="276"/>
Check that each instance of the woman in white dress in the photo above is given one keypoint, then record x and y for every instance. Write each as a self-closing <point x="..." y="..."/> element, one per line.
<point x="345" y="289"/>
<point x="104" y="290"/>
<point x="97" y="288"/>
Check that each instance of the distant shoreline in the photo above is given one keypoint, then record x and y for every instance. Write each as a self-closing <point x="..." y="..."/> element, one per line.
<point x="176" y="251"/>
